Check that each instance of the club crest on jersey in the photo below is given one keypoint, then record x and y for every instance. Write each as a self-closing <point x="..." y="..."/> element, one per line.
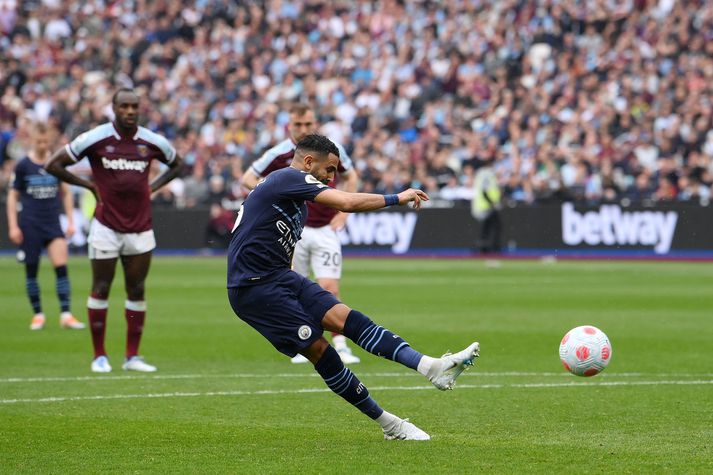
<point x="143" y="150"/>
<point x="304" y="332"/>
<point x="110" y="149"/>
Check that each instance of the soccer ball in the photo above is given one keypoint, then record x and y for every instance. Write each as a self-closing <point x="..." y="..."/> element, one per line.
<point x="585" y="351"/>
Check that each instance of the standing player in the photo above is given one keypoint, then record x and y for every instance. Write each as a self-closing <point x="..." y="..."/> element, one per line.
<point x="291" y="311"/>
<point x="319" y="248"/>
<point x="120" y="155"/>
<point x="38" y="226"/>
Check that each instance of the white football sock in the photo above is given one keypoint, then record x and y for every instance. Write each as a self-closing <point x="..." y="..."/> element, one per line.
<point x="427" y="365"/>
<point x="387" y="421"/>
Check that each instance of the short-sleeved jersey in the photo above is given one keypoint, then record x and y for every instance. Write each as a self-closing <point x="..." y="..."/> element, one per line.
<point x="39" y="194"/>
<point x="280" y="156"/>
<point x="120" y="165"/>
<point x="268" y="226"/>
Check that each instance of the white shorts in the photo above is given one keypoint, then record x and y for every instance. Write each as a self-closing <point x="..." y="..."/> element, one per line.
<point x="105" y="243"/>
<point x="318" y="249"/>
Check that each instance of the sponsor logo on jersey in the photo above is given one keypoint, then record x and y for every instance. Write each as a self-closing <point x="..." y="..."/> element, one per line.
<point x="124" y="164"/>
<point x="610" y="226"/>
<point x="311" y="180"/>
<point x="288" y="240"/>
<point x="381" y="229"/>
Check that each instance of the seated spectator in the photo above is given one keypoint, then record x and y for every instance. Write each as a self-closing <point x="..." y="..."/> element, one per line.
<point x="217" y="235"/>
<point x="195" y="188"/>
<point x="572" y="100"/>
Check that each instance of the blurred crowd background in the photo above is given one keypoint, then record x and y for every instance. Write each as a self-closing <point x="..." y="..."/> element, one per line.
<point x="590" y="100"/>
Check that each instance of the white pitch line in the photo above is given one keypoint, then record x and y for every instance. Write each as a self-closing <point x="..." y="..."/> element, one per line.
<point x="324" y="390"/>
<point x="144" y="377"/>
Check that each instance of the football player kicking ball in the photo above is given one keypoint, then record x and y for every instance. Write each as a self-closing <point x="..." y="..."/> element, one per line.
<point x="319" y="249"/>
<point x="291" y="311"/>
<point x="38" y="226"/>
<point x="120" y="155"/>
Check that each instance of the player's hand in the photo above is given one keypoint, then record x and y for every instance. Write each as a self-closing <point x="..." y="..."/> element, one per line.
<point x="338" y="221"/>
<point x="414" y="196"/>
<point x="70" y="230"/>
<point x="15" y="235"/>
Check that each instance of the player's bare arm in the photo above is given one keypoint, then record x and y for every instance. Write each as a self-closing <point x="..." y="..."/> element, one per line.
<point x="349" y="183"/>
<point x="358" y="202"/>
<point x="14" y="231"/>
<point x="250" y="179"/>
<point x="68" y="204"/>
<point x="57" y="166"/>
<point x="322" y="167"/>
<point x="174" y="169"/>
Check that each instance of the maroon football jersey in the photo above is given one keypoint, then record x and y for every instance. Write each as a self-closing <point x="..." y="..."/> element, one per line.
<point x="120" y="165"/>
<point x="280" y="156"/>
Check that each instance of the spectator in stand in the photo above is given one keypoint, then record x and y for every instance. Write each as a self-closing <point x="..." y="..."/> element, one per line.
<point x="196" y="189"/>
<point x="627" y="82"/>
<point x="219" y="227"/>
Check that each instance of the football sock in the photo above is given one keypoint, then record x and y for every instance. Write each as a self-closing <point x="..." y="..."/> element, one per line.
<point x="429" y="366"/>
<point x="97" y="310"/>
<point x="62" y="287"/>
<point x="32" y="286"/>
<point x="135" y="314"/>
<point x="388" y="421"/>
<point x="345" y="384"/>
<point x="379" y="341"/>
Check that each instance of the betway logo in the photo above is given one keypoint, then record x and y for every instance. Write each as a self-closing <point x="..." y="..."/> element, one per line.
<point x="382" y="229"/>
<point x="124" y="164"/>
<point x="612" y="226"/>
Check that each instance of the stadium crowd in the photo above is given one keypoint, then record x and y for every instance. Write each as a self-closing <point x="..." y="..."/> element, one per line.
<point x="595" y="100"/>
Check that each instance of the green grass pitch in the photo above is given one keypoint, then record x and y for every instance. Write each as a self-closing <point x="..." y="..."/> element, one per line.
<point x="224" y="401"/>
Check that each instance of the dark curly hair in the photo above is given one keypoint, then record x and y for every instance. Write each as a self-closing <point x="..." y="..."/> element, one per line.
<point x="317" y="144"/>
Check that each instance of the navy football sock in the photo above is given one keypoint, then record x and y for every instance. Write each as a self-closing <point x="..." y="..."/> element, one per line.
<point x="32" y="286"/>
<point x="345" y="384"/>
<point x="379" y="341"/>
<point x="62" y="287"/>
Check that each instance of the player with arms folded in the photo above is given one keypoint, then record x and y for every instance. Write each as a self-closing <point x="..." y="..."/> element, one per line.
<point x="319" y="248"/>
<point x="38" y="226"/>
<point x="120" y="155"/>
<point x="291" y="311"/>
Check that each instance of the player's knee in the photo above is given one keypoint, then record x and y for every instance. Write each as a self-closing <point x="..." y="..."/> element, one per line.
<point x="335" y="318"/>
<point x="315" y="351"/>
<point x="100" y="289"/>
<point x="135" y="290"/>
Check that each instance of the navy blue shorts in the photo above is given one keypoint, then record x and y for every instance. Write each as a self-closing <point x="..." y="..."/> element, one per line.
<point x="36" y="237"/>
<point x="287" y="311"/>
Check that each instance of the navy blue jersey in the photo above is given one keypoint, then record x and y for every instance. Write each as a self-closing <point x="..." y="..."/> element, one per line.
<point x="39" y="193"/>
<point x="268" y="226"/>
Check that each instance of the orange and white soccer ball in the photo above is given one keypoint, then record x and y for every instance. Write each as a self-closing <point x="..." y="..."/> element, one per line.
<point x="585" y="351"/>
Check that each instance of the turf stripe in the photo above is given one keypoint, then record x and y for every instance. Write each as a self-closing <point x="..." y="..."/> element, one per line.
<point x="323" y="390"/>
<point x="562" y="374"/>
